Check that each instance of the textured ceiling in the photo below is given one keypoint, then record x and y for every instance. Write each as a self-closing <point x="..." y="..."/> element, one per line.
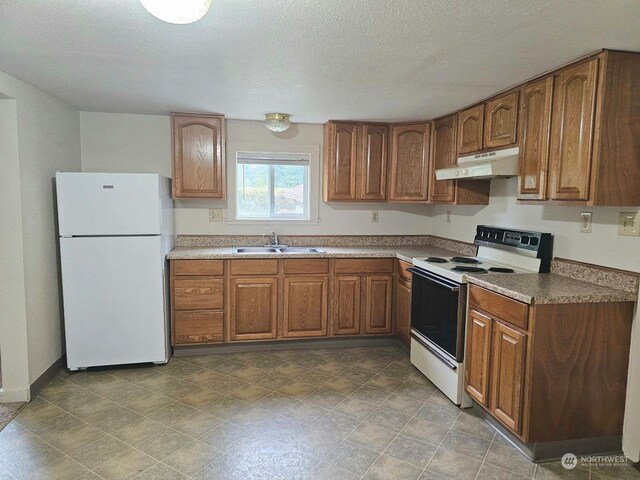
<point x="316" y="59"/>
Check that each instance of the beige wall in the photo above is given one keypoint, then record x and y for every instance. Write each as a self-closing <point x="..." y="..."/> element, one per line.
<point x="142" y="143"/>
<point x="48" y="133"/>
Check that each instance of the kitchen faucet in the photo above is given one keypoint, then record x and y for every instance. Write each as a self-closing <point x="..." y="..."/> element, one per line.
<point x="275" y="242"/>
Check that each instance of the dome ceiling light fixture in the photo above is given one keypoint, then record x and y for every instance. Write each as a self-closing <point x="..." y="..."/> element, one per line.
<point x="277" y="122"/>
<point x="179" y="12"/>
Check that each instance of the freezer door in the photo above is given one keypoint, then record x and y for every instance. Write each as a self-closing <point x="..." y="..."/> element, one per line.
<point x="108" y="204"/>
<point x="113" y="292"/>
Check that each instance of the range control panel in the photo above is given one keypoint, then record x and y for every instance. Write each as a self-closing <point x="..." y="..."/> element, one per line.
<point x="526" y="240"/>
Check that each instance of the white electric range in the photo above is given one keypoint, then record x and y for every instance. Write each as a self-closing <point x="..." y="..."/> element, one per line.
<point x="439" y="296"/>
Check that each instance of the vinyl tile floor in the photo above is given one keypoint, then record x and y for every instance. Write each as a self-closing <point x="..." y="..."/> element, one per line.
<point x="330" y="414"/>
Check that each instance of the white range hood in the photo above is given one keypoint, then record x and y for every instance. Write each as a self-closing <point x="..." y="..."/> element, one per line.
<point x="500" y="163"/>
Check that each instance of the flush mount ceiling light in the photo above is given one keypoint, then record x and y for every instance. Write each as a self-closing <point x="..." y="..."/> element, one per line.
<point x="179" y="12"/>
<point x="277" y="122"/>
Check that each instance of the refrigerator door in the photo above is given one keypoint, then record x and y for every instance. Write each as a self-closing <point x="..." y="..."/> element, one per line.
<point x="113" y="291"/>
<point x="108" y="204"/>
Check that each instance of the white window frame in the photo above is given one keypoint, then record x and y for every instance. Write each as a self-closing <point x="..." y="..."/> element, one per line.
<point x="313" y="181"/>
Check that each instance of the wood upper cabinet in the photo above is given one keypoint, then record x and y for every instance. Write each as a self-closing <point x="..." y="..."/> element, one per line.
<point x="373" y="162"/>
<point x="253" y="308"/>
<point x="355" y="161"/>
<point x="378" y="313"/>
<point x="470" y="129"/>
<point x="443" y="156"/>
<point x="535" y="124"/>
<point x="305" y="306"/>
<point x="340" y="161"/>
<point x="572" y="129"/>
<point x="501" y="121"/>
<point x="507" y="375"/>
<point x="478" y="351"/>
<point x="198" y="143"/>
<point x="346" y="302"/>
<point x="409" y="166"/>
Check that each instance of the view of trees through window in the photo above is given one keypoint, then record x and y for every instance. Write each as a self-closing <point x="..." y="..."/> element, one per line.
<point x="271" y="190"/>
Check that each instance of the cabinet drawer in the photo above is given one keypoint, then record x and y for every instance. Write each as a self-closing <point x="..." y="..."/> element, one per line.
<point x="402" y="269"/>
<point x="306" y="266"/>
<point x="364" y="265"/>
<point x="198" y="293"/>
<point x="500" y="306"/>
<point x="197" y="327"/>
<point x="254" y="267"/>
<point x="198" y="267"/>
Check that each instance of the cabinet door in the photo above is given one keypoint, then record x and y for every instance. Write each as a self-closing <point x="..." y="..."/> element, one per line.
<point x="572" y="131"/>
<point x="507" y="375"/>
<point x="410" y="163"/>
<point x="444" y="156"/>
<point x="477" y="356"/>
<point x="535" y="123"/>
<point x="501" y="121"/>
<point x="373" y="162"/>
<point x="198" y="156"/>
<point x="341" y="154"/>
<point x="403" y="311"/>
<point x="378" y="312"/>
<point x="346" y="305"/>
<point x="305" y="306"/>
<point x="470" y="126"/>
<point x="253" y="308"/>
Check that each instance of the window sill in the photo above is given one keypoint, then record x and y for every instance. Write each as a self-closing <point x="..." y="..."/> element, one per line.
<point x="271" y="221"/>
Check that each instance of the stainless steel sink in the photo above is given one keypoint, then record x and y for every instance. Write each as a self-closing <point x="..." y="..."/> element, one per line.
<point x="301" y="250"/>
<point x="278" y="249"/>
<point x="255" y="250"/>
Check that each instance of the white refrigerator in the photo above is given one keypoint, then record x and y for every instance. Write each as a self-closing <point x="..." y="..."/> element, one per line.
<point x="115" y="231"/>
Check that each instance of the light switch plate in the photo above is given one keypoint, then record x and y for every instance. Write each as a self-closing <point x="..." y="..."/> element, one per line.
<point x="215" y="214"/>
<point x="629" y="224"/>
<point x="585" y="222"/>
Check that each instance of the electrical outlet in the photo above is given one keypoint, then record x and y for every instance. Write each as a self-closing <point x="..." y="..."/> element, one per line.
<point x="585" y="222"/>
<point x="629" y="224"/>
<point x="374" y="216"/>
<point x="448" y="216"/>
<point x="215" y="214"/>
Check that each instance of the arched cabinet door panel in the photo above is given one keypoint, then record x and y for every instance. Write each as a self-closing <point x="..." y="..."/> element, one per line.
<point x="501" y="121"/>
<point x="410" y="148"/>
<point x="470" y="129"/>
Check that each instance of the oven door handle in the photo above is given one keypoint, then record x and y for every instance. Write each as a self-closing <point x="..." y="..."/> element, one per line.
<point x="440" y="355"/>
<point x="454" y="287"/>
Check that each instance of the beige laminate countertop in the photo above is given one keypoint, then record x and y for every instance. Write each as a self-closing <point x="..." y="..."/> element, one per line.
<point x="406" y="253"/>
<point x="532" y="288"/>
<point x="548" y="288"/>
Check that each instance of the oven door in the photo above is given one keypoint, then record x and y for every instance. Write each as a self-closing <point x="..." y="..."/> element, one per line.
<point x="437" y="313"/>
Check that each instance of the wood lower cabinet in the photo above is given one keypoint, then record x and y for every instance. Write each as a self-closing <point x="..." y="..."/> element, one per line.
<point x="507" y="375"/>
<point x="305" y="306"/>
<point x="535" y="129"/>
<point x="572" y="131"/>
<point x="253" y="308"/>
<point x="402" y="303"/>
<point x="198" y="327"/>
<point x="198" y="143"/>
<point x="548" y="372"/>
<point x="346" y="301"/>
<point x="478" y="349"/>
<point x="378" y="313"/>
<point x="355" y="161"/>
<point x="409" y="167"/>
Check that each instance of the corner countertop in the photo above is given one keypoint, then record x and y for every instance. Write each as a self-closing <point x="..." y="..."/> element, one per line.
<point x="549" y="288"/>
<point x="406" y="253"/>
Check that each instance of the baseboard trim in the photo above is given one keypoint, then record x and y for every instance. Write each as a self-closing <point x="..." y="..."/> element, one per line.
<point x="48" y="375"/>
<point x="549" y="451"/>
<point x="185" y="351"/>
<point x="10" y="396"/>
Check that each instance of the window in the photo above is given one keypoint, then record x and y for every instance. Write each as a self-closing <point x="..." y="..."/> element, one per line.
<point x="272" y="186"/>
